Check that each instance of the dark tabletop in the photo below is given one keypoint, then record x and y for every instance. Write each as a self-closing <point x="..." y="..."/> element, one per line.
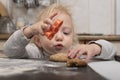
<point x="24" y="69"/>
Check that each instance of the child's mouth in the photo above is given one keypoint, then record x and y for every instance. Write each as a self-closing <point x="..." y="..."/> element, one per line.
<point x="58" y="46"/>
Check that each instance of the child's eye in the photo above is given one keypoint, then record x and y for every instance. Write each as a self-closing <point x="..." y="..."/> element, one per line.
<point x="66" y="33"/>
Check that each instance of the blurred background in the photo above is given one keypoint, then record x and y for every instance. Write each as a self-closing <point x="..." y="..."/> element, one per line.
<point x="90" y="16"/>
<point x="94" y="19"/>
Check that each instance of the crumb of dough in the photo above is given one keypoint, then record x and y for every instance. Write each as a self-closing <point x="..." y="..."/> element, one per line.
<point x="75" y="63"/>
<point x="59" y="57"/>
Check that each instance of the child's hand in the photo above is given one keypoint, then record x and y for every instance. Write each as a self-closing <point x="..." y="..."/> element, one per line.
<point x="39" y="27"/>
<point x="85" y="49"/>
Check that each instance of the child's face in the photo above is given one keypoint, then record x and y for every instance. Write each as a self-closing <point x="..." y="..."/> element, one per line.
<point x="63" y="39"/>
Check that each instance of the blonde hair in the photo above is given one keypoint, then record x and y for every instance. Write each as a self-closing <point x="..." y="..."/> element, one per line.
<point x="54" y="8"/>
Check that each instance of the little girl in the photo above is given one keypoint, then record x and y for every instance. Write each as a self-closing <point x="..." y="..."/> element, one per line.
<point x="19" y="46"/>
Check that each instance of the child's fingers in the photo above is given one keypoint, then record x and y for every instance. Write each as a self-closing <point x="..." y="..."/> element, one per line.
<point x="80" y="53"/>
<point x="73" y="53"/>
<point x="45" y="27"/>
<point x="45" y="24"/>
<point x="88" y="57"/>
<point x="48" y="21"/>
<point x="41" y="32"/>
<point x="53" y="15"/>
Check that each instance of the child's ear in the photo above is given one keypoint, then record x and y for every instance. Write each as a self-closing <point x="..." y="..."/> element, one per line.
<point x="37" y="41"/>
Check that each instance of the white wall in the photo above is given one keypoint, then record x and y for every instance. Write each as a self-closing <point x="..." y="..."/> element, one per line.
<point x="93" y="16"/>
<point x="118" y="17"/>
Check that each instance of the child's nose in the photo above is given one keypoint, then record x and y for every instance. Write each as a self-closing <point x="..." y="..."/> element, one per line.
<point x="59" y="37"/>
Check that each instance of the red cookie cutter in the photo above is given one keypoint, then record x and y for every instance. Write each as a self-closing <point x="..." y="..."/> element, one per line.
<point x="53" y="29"/>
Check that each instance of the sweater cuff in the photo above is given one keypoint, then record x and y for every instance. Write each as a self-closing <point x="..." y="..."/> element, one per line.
<point x="107" y="49"/>
<point x="23" y="34"/>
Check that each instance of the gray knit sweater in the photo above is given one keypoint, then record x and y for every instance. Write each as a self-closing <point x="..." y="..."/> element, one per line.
<point x="18" y="46"/>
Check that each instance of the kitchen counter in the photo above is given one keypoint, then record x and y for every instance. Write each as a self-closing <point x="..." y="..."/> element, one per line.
<point x="80" y="37"/>
<point x="93" y="37"/>
<point x="86" y="38"/>
<point x="35" y="69"/>
<point x="24" y="69"/>
<point x="4" y="36"/>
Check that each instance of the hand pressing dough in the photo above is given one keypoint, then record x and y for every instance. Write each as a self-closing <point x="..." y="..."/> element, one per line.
<point x="62" y="57"/>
